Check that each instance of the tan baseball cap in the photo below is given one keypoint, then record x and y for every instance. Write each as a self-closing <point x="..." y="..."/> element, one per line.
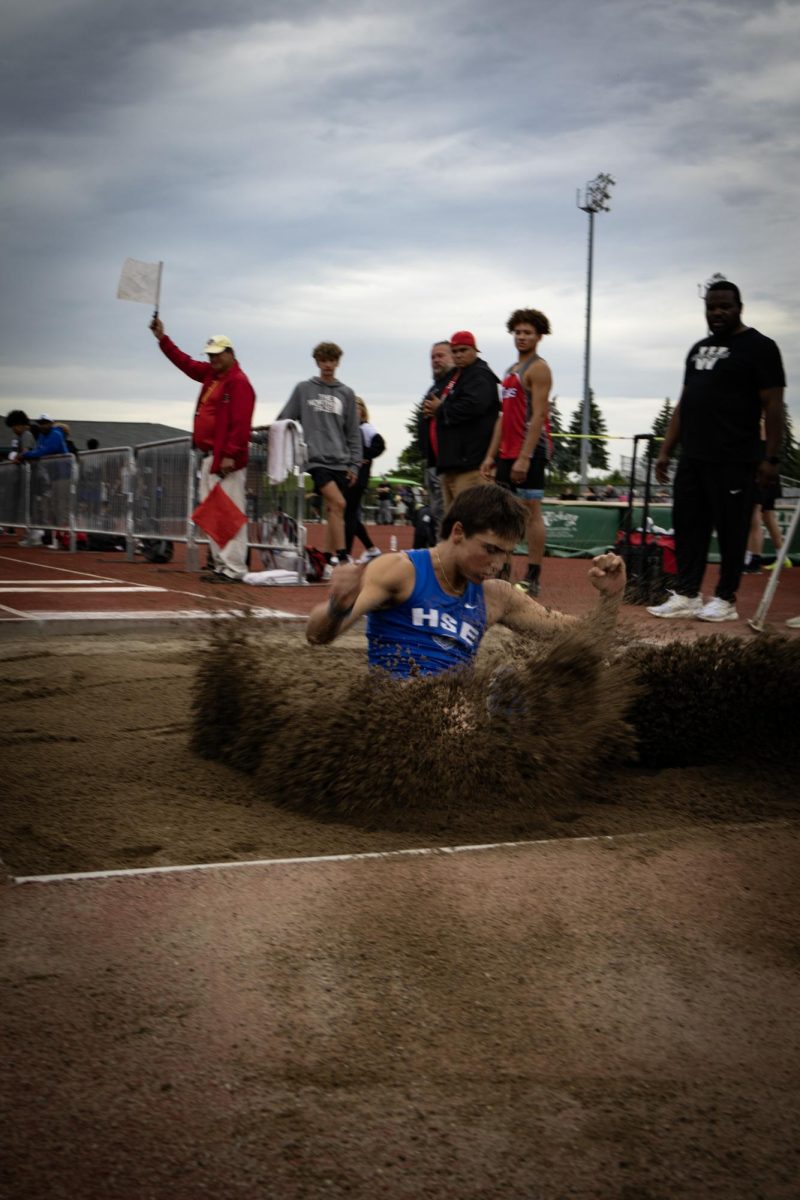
<point x="218" y="343"/>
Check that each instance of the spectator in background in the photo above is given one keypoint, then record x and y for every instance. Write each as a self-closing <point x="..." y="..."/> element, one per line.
<point x="400" y="510"/>
<point x="71" y="447"/>
<point x="465" y="409"/>
<point x="521" y="444"/>
<point x="326" y="408"/>
<point x="410" y="501"/>
<point x="730" y="378"/>
<point x="385" y="501"/>
<point x="373" y="445"/>
<point x="442" y="365"/>
<point x="23" y="441"/>
<point x="315" y="506"/>
<point x="763" y="518"/>
<point x="425" y="528"/>
<point x="222" y="422"/>
<point x="49" y="443"/>
<point x="92" y="444"/>
<point x="50" y="440"/>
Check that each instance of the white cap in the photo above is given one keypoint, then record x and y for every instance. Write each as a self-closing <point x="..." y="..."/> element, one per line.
<point x="218" y="343"/>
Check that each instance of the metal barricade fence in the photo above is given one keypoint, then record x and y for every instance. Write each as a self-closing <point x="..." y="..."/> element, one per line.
<point x="276" y="513"/>
<point x="150" y="492"/>
<point x="14" y="493"/>
<point x="53" y="484"/>
<point x="164" y="490"/>
<point x="105" y="492"/>
<point x="276" y="519"/>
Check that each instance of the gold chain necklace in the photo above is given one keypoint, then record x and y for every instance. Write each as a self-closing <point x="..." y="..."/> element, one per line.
<point x="455" y="591"/>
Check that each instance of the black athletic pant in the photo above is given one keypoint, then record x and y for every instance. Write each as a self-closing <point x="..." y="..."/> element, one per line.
<point x="708" y="496"/>
<point x="353" y="525"/>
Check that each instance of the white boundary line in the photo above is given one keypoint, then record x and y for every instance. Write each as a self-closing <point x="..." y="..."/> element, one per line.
<point x="54" y="583"/>
<point x="97" y="588"/>
<point x="23" y="615"/>
<point x="165" y="614"/>
<point x="64" y="570"/>
<point x="88" y="576"/>
<point x="418" y="852"/>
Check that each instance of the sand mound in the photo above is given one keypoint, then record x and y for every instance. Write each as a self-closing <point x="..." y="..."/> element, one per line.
<point x="529" y="724"/>
<point x="718" y="699"/>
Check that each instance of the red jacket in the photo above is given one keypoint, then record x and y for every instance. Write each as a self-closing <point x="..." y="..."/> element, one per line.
<point x="224" y="414"/>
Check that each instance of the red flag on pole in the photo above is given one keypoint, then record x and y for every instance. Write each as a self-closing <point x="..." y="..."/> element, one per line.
<point x="218" y="516"/>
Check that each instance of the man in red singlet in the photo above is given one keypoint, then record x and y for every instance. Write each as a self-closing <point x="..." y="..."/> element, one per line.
<point x="521" y="444"/>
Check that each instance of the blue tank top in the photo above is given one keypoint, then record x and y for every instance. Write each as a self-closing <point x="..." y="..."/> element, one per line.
<point x="430" y="632"/>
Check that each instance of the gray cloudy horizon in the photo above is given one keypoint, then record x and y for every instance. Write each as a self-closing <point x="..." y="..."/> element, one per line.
<point x="380" y="177"/>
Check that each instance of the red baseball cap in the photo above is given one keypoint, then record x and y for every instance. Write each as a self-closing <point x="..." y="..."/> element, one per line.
<point x="463" y="338"/>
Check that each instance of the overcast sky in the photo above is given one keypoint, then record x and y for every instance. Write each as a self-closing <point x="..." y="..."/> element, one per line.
<point x="381" y="175"/>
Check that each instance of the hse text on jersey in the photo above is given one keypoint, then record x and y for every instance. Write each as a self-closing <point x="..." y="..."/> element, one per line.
<point x="462" y="630"/>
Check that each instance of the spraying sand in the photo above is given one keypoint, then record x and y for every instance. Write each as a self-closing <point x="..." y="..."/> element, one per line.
<point x="302" y="753"/>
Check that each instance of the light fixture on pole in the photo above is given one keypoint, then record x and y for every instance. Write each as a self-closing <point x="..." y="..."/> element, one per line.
<point x="595" y="199"/>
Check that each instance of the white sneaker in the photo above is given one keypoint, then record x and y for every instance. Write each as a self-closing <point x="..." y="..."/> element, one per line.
<point x="678" y="606"/>
<point x="718" y="609"/>
<point x="327" y="571"/>
<point x="793" y="622"/>
<point x="373" y="552"/>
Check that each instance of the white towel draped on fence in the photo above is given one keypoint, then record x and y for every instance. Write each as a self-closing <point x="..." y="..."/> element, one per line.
<point x="285" y="450"/>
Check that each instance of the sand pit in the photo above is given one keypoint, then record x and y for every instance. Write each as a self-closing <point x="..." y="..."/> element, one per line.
<point x="603" y="1019"/>
<point x="99" y="770"/>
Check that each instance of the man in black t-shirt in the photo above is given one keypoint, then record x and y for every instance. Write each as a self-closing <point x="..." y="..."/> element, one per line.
<point x="731" y="378"/>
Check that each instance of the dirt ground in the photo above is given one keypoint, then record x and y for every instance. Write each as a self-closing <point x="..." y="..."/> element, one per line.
<point x="99" y="774"/>
<point x="607" y="1020"/>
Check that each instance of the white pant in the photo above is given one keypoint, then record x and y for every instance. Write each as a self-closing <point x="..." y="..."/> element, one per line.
<point x="232" y="557"/>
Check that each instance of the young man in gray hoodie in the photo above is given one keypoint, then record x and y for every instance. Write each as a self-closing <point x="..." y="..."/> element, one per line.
<point x="327" y="411"/>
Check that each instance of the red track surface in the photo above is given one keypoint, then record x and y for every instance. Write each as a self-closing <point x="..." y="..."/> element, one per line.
<point x="60" y="588"/>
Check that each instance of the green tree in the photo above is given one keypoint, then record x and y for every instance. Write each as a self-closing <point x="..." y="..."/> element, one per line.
<point x="661" y="423"/>
<point x="412" y="458"/>
<point x="561" y="462"/>
<point x="598" y="450"/>
<point x="790" y="451"/>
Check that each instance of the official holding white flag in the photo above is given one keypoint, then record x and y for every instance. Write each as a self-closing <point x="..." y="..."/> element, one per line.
<point x="222" y="423"/>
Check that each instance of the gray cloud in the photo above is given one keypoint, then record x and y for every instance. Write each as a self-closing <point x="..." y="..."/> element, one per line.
<point x="385" y="175"/>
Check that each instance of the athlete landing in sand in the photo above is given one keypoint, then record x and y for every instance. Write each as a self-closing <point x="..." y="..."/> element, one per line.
<point x="427" y="610"/>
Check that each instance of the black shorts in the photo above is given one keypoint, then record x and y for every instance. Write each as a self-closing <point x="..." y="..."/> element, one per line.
<point x="323" y="475"/>
<point x="534" y="480"/>
<point x="767" y="496"/>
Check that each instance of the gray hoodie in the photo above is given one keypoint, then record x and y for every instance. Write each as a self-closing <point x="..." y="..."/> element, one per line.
<point x="329" y="416"/>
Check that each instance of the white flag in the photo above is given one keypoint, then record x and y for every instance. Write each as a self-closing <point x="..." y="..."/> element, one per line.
<point x="140" y="281"/>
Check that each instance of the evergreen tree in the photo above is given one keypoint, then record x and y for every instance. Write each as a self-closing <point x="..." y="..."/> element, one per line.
<point x="412" y="458"/>
<point x="561" y="462"/>
<point x="661" y="423"/>
<point x="598" y="450"/>
<point x="790" y="451"/>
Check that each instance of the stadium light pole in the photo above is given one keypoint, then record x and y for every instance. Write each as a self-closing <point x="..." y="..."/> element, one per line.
<point x="595" y="200"/>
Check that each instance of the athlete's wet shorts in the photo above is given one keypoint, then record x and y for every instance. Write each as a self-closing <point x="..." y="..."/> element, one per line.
<point x="323" y="475"/>
<point x="533" y="486"/>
